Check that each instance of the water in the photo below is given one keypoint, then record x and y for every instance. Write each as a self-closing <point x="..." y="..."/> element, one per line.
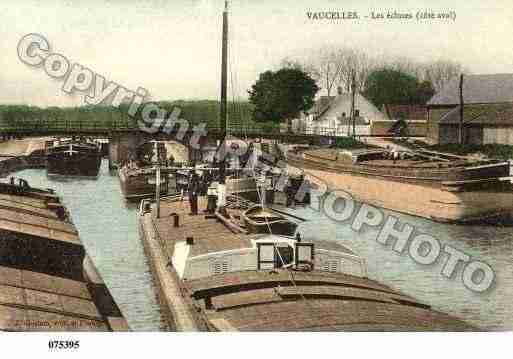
<point x="492" y="310"/>
<point x="108" y="230"/>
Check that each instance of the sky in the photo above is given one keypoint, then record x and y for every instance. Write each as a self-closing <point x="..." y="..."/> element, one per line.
<point x="172" y="48"/>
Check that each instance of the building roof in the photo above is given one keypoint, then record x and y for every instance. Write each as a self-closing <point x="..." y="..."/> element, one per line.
<point x="477" y="89"/>
<point x="321" y="105"/>
<point x="341" y="105"/>
<point x="491" y="114"/>
<point x="410" y="112"/>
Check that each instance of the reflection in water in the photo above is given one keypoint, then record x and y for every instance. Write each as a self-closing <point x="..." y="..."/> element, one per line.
<point x="492" y="310"/>
<point x="108" y="230"/>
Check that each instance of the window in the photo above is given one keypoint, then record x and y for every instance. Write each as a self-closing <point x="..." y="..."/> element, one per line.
<point x="265" y="255"/>
<point x="331" y="265"/>
<point x="219" y="266"/>
<point x="283" y="255"/>
<point x="304" y="253"/>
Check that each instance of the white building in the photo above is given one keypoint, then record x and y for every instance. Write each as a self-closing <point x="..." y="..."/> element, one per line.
<point x="330" y="116"/>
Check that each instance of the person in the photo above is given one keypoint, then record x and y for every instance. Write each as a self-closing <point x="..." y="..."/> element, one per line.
<point x="211" y="198"/>
<point x="395" y="154"/>
<point x="193" y="193"/>
<point x="289" y="192"/>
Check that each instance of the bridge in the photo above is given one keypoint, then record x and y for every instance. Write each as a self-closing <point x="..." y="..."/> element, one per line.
<point x="125" y="136"/>
<point x="109" y="129"/>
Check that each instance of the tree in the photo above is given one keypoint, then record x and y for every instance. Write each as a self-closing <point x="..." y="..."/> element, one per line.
<point x="354" y="63"/>
<point x="439" y="73"/>
<point x="424" y="92"/>
<point x="326" y="66"/>
<point x="282" y="95"/>
<point x="390" y="86"/>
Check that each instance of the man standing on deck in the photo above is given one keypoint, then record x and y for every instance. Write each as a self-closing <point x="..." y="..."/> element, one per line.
<point x="193" y="193"/>
<point x="395" y="154"/>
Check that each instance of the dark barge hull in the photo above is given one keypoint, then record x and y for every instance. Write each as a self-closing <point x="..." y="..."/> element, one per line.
<point x="140" y="186"/>
<point x="80" y="165"/>
<point x="47" y="281"/>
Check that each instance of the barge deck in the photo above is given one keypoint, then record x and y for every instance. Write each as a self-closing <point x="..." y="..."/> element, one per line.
<point x="47" y="281"/>
<point x="211" y="277"/>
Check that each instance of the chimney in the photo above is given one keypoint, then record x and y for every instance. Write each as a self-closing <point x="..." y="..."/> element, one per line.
<point x="340" y="91"/>
<point x="176" y="220"/>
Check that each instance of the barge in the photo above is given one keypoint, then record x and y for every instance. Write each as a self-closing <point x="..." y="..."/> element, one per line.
<point x="437" y="186"/>
<point x="81" y="158"/>
<point x="137" y="175"/>
<point x="213" y="274"/>
<point x="47" y="281"/>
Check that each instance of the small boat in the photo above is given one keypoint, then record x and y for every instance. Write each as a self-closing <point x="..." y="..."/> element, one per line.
<point x="73" y="158"/>
<point x="264" y="220"/>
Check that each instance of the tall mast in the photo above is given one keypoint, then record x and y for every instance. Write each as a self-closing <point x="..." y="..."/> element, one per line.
<point x="353" y="90"/>
<point x="224" y="93"/>
<point x="462" y="105"/>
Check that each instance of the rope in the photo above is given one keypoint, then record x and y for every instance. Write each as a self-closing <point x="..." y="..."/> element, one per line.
<point x="292" y="280"/>
<point x="233" y="81"/>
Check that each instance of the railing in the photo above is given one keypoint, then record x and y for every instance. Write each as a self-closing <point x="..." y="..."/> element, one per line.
<point x="106" y="127"/>
<point x="79" y="125"/>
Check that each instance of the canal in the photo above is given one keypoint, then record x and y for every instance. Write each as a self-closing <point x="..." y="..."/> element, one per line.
<point x="492" y="310"/>
<point x="108" y="230"/>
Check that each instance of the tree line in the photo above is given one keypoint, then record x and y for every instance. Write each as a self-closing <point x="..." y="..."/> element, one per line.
<point x="283" y="94"/>
<point x="101" y="116"/>
<point x="332" y="66"/>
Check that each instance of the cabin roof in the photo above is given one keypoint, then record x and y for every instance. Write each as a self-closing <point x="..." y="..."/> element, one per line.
<point x="270" y="301"/>
<point x="32" y="207"/>
<point x="328" y="245"/>
<point x="29" y="216"/>
<point x="37" y="301"/>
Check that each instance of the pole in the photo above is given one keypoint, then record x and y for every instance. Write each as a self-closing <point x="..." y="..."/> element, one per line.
<point x="157" y="179"/>
<point x="353" y="89"/>
<point x="224" y="103"/>
<point x="460" y="132"/>
<point x="157" y="186"/>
